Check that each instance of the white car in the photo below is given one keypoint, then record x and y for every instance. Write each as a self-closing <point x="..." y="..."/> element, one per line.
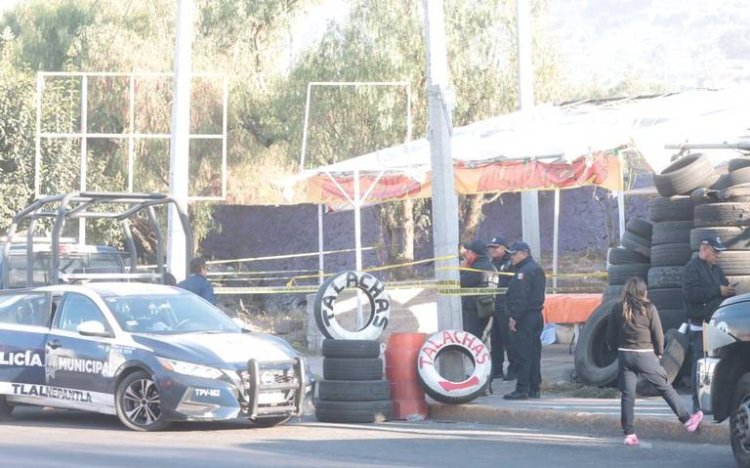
<point x="148" y="353"/>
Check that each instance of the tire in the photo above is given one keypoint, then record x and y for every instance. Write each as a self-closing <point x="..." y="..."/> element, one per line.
<point x="704" y="195"/>
<point x="735" y="262"/>
<point x="442" y="389"/>
<point x="738" y="163"/>
<point x="640" y="227"/>
<point x="636" y="243"/>
<point x="739" y="421"/>
<point x="624" y="256"/>
<point x="595" y="363"/>
<point x="353" y="411"/>
<point x="353" y="390"/>
<point x="351" y="348"/>
<point x="743" y="283"/>
<point x="612" y="293"/>
<point x="352" y="368"/>
<point x="684" y="175"/>
<point x="739" y="176"/>
<point x="325" y="300"/>
<point x="722" y="182"/>
<point x="735" y="194"/>
<point x="670" y="254"/>
<point x="136" y="387"/>
<point x="671" y="209"/>
<point x="722" y="214"/>
<point x="619" y="274"/>
<point x="270" y="422"/>
<point x="665" y="277"/>
<point x="667" y="232"/>
<point x="733" y="237"/>
<point x="666" y="298"/>
<point x="671" y="318"/>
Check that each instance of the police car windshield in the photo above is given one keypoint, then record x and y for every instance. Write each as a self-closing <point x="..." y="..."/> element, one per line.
<point x="168" y="314"/>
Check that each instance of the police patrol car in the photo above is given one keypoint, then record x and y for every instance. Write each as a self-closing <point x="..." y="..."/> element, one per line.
<point x="148" y="353"/>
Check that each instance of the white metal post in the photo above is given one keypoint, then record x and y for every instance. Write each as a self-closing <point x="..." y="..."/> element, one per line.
<point x="321" y="260"/>
<point x="529" y="199"/>
<point x="180" y="142"/>
<point x="84" y="150"/>
<point x="555" y="240"/>
<point x="38" y="139"/>
<point x="131" y="140"/>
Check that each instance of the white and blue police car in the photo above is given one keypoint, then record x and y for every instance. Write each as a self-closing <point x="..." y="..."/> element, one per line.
<point x="148" y="353"/>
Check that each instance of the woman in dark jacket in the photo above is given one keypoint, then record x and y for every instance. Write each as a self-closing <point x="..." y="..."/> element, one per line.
<point x="634" y="329"/>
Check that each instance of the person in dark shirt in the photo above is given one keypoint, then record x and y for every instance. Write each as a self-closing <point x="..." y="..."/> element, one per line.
<point x="501" y="336"/>
<point x="634" y="329"/>
<point x="523" y="304"/>
<point x="477" y="272"/>
<point x="197" y="282"/>
<point x="704" y="286"/>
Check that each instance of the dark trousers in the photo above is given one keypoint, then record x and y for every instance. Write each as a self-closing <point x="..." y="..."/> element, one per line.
<point x="472" y="323"/>
<point x="501" y="344"/>
<point x="646" y="364"/>
<point x="696" y="353"/>
<point x="528" y="346"/>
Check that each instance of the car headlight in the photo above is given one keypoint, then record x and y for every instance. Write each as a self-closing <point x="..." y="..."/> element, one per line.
<point x="189" y="368"/>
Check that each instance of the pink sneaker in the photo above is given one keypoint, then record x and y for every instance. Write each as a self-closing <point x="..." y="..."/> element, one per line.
<point x="631" y="439"/>
<point x="695" y="420"/>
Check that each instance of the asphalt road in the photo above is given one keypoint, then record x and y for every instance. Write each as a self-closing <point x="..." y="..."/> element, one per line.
<point x="54" y="438"/>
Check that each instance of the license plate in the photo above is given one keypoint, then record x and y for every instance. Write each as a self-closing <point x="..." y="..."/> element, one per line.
<point x="269" y="398"/>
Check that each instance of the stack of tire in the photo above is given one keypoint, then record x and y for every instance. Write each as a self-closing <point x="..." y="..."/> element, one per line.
<point x="724" y="212"/>
<point x="353" y="389"/>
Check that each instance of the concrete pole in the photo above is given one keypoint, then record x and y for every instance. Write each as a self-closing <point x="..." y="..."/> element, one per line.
<point x="180" y="143"/>
<point x="530" y="199"/>
<point x="444" y="198"/>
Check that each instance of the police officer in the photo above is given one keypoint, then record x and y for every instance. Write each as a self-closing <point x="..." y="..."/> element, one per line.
<point x="477" y="272"/>
<point x="524" y="303"/>
<point x="498" y="252"/>
<point x="704" y="286"/>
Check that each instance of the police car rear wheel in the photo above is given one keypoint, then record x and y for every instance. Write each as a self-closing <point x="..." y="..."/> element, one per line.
<point x="138" y="403"/>
<point x="739" y="422"/>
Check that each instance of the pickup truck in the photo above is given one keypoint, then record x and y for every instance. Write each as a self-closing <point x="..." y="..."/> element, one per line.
<point x="724" y="374"/>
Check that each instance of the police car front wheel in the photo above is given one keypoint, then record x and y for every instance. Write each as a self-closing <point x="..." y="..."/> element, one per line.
<point x="5" y="407"/>
<point x="138" y="403"/>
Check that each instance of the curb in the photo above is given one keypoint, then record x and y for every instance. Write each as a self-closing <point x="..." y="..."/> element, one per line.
<point x="599" y="424"/>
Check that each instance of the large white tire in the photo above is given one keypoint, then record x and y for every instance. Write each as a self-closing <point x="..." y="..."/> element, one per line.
<point x="373" y="288"/>
<point x="448" y="391"/>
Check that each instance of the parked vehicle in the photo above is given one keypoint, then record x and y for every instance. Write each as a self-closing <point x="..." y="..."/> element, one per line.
<point x="56" y="259"/>
<point x="148" y="353"/>
<point x="724" y="376"/>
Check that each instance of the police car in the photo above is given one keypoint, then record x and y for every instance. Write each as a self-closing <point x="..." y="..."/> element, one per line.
<point x="148" y="353"/>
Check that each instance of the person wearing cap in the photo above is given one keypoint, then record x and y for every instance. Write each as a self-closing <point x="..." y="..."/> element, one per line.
<point x="497" y="248"/>
<point x="704" y="286"/>
<point x="477" y="272"/>
<point x="197" y="283"/>
<point x="523" y="303"/>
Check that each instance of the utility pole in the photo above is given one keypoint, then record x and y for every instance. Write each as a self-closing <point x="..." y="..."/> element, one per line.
<point x="179" y="148"/>
<point x="530" y="199"/>
<point x="444" y="198"/>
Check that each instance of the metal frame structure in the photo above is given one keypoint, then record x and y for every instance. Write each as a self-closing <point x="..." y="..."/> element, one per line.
<point x="131" y="135"/>
<point x="358" y="199"/>
<point x="82" y="205"/>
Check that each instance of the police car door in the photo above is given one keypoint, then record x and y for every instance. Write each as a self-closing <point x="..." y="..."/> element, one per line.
<point x="77" y="352"/>
<point x="24" y="323"/>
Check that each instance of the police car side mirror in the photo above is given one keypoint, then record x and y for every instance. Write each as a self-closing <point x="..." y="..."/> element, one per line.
<point x="93" y="328"/>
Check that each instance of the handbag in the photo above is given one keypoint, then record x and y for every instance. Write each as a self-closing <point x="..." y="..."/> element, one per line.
<point x="485" y="305"/>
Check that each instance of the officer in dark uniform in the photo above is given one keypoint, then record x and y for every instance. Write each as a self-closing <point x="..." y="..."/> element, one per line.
<point x="477" y="272"/>
<point x="498" y="252"/>
<point x="524" y="303"/>
<point x="704" y="286"/>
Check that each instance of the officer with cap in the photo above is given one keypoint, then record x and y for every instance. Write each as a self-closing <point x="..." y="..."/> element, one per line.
<point x="704" y="286"/>
<point x="477" y="272"/>
<point x="524" y="303"/>
<point x="501" y="336"/>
